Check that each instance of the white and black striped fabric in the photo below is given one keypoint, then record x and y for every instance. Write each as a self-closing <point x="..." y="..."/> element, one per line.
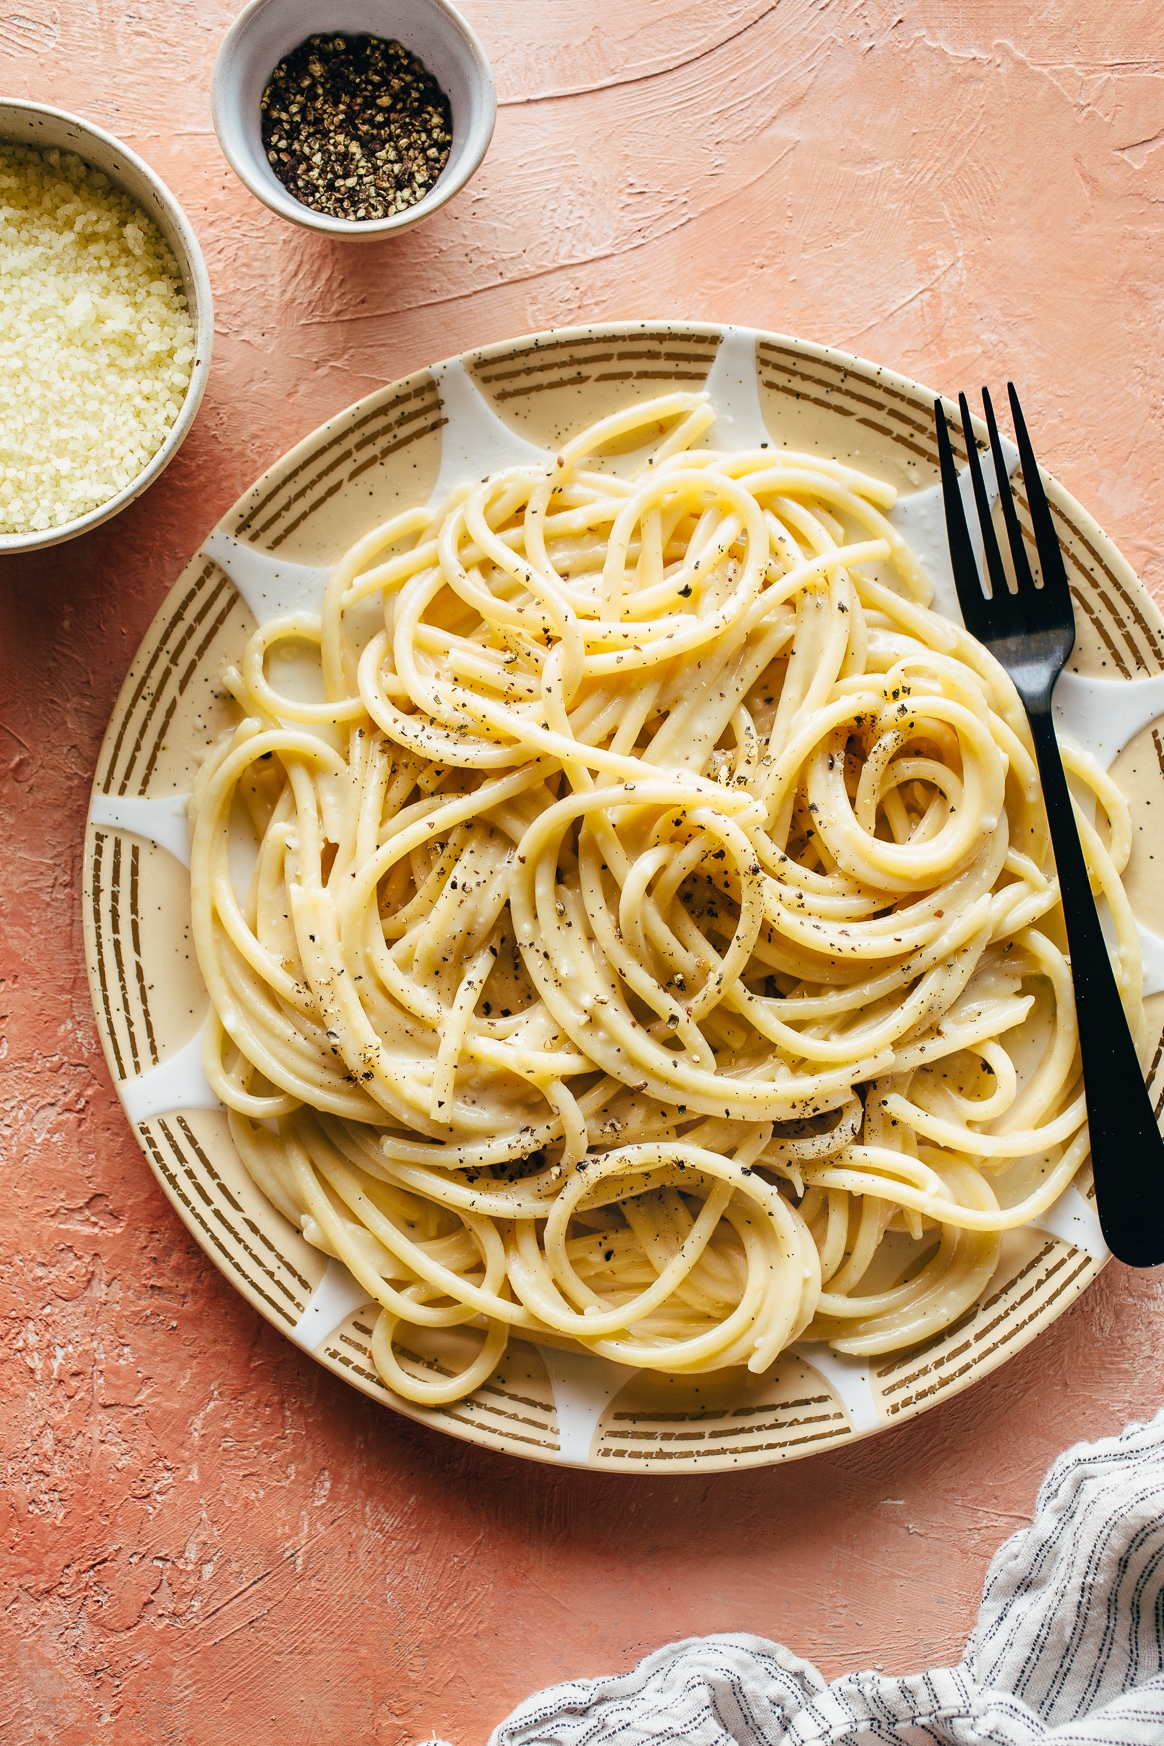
<point x="1068" y="1650"/>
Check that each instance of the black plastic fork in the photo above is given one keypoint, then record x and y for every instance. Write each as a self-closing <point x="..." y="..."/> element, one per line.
<point x="1031" y="632"/>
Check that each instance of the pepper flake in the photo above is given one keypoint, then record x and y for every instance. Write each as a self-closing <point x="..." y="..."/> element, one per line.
<point x="355" y="127"/>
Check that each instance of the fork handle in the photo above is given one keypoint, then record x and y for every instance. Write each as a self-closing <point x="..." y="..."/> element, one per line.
<point x="1127" y="1154"/>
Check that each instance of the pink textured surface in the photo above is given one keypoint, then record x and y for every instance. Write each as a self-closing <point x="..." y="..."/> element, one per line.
<point x="206" y="1538"/>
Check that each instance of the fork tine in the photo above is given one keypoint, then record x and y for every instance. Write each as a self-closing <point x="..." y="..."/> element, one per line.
<point x="962" y="560"/>
<point x="1014" y="533"/>
<point x="994" y="569"/>
<point x="1046" y="539"/>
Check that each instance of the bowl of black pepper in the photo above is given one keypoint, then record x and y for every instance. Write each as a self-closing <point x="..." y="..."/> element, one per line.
<point x="357" y="117"/>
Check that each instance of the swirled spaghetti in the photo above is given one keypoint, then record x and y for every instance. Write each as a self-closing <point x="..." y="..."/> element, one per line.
<point x="653" y="942"/>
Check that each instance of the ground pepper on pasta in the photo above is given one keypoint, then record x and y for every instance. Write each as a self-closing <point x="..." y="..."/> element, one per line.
<point x="653" y="943"/>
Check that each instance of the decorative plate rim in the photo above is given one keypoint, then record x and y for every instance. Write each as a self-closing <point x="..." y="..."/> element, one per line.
<point x="183" y="1180"/>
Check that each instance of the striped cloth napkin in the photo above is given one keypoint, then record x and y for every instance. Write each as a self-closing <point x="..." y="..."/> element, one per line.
<point x="1068" y="1650"/>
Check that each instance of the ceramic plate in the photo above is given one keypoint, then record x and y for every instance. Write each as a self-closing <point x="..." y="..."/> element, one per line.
<point x="271" y="553"/>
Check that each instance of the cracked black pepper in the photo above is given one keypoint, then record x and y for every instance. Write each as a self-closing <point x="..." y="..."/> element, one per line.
<point x="355" y="127"/>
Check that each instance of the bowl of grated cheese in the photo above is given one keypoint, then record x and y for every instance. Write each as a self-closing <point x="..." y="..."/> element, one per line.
<point x="106" y="325"/>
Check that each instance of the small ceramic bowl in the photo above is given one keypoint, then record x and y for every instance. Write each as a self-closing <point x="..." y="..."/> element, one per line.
<point x="31" y="124"/>
<point x="432" y="30"/>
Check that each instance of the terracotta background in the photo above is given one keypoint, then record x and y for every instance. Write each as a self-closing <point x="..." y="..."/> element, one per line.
<point x="206" y="1538"/>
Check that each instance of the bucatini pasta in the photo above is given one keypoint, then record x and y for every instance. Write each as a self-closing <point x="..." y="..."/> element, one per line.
<point x="653" y="942"/>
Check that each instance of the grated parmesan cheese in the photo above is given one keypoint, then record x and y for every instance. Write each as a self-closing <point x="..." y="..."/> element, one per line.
<point x="96" y="344"/>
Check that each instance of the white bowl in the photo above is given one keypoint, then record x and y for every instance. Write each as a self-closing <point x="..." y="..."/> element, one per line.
<point x="31" y="124"/>
<point x="432" y="30"/>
